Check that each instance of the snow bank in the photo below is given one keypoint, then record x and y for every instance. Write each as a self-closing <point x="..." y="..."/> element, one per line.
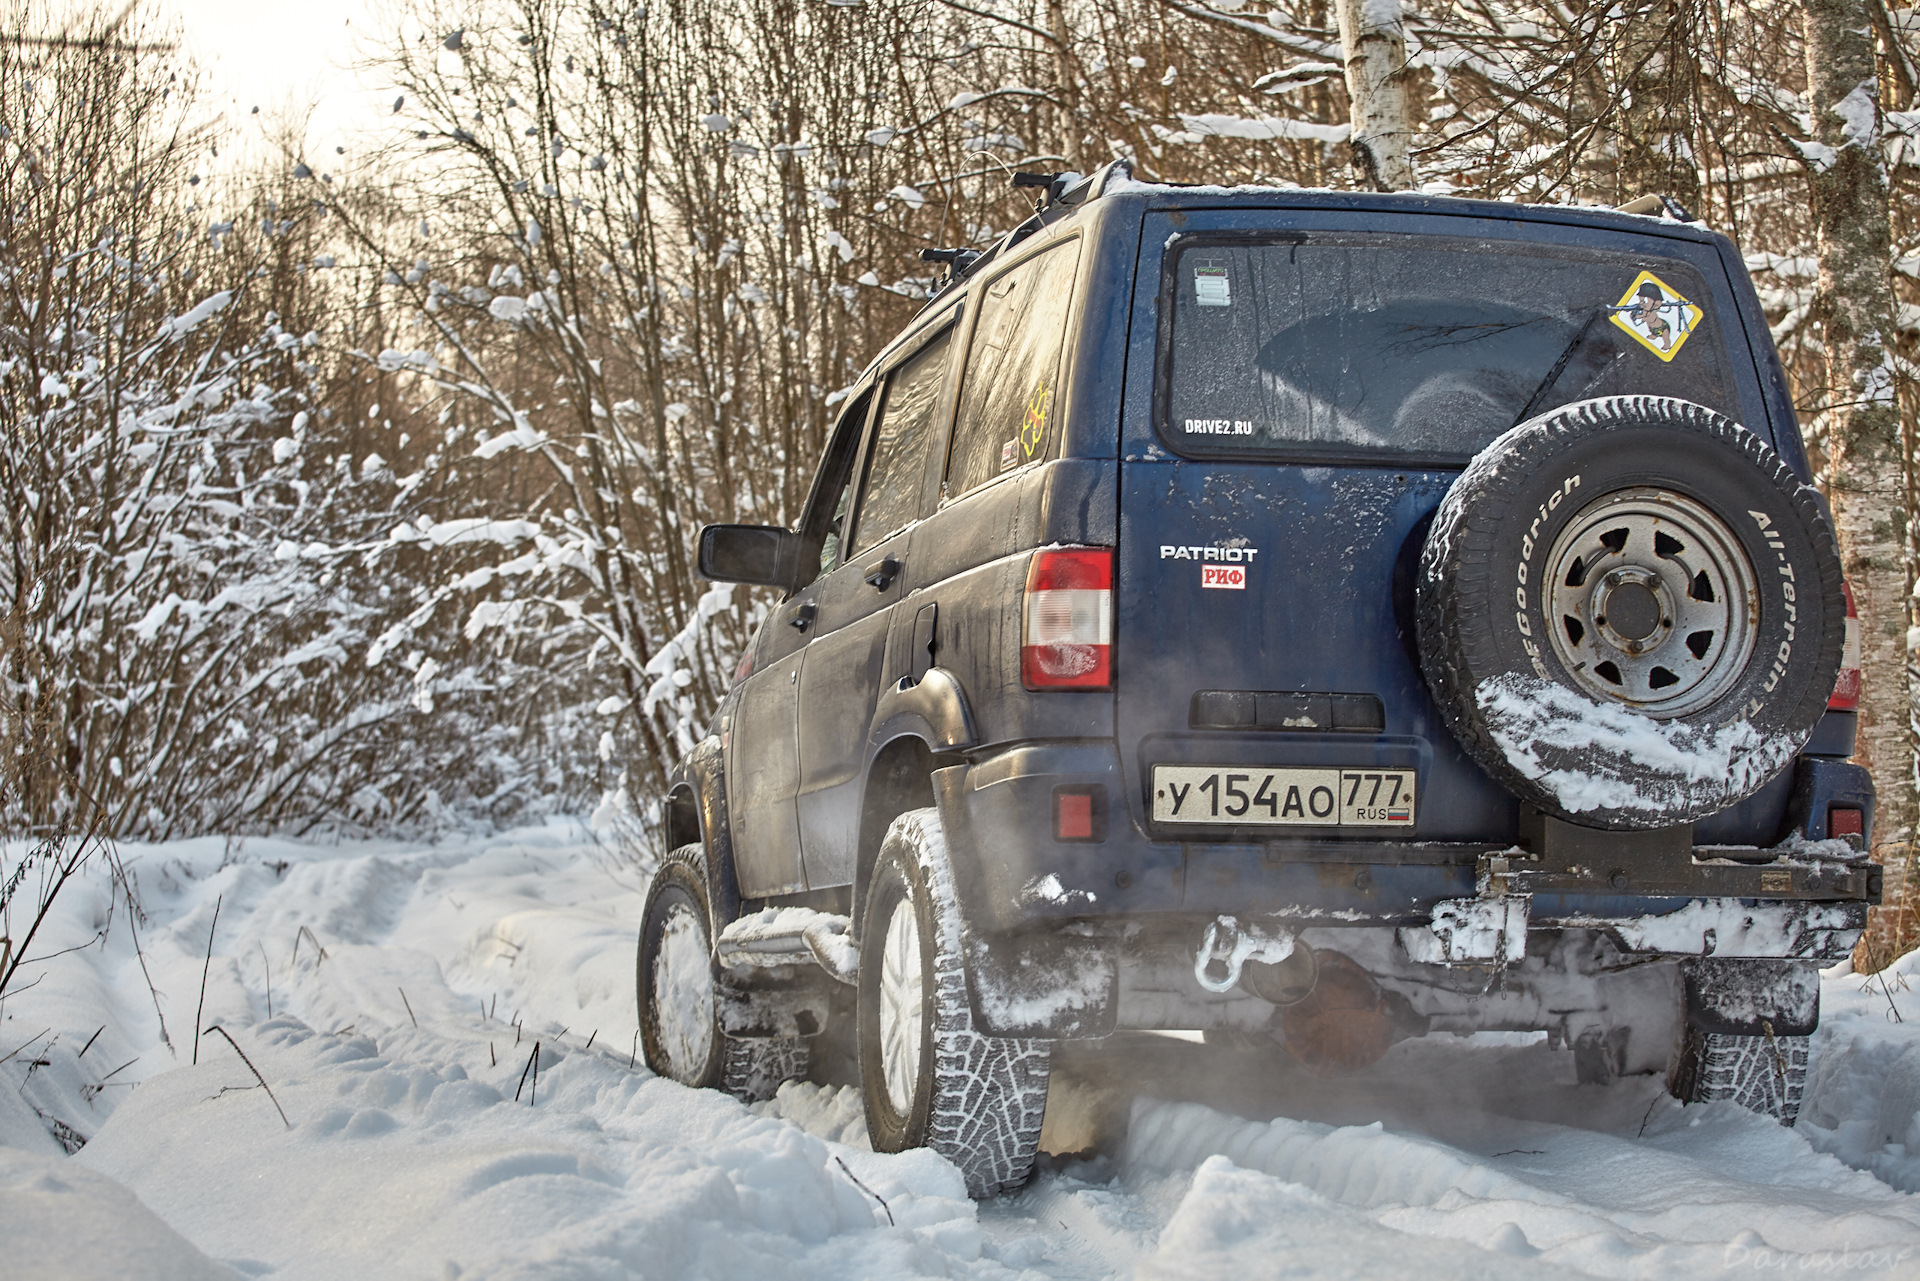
<point x="1702" y="1191"/>
<point x="1238" y="1223"/>
<point x="410" y="984"/>
<point x="1863" y="1095"/>
<point x="440" y="1171"/>
<point x="61" y="1220"/>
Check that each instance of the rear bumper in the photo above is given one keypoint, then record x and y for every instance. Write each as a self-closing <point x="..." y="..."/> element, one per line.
<point x="1081" y="936"/>
<point x="1014" y="874"/>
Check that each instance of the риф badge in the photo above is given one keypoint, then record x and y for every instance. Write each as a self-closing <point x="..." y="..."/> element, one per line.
<point x="1220" y="566"/>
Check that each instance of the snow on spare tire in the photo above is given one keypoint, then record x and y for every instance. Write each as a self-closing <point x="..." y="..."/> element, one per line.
<point x="1630" y="612"/>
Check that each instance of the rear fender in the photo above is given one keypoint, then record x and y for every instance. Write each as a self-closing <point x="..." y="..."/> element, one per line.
<point x="934" y="709"/>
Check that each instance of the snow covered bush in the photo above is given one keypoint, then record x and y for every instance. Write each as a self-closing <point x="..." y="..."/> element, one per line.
<point x="187" y="590"/>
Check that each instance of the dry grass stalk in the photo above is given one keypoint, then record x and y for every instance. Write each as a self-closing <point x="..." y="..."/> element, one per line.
<point x="201" y="1011"/>
<point x="256" y="1073"/>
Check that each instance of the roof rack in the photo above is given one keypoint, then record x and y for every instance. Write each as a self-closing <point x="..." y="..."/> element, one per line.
<point x="1062" y="193"/>
<point x="1657" y="202"/>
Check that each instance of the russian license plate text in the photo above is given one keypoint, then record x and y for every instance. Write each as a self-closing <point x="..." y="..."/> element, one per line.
<point x="1250" y="796"/>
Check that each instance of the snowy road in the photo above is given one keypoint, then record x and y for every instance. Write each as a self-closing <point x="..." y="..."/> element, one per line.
<point x="397" y="1056"/>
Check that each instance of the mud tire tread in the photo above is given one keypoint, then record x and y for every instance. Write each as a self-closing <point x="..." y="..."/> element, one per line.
<point x="749" y="1070"/>
<point x="987" y="1096"/>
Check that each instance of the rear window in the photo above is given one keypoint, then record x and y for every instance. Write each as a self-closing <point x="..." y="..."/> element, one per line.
<point x="1356" y="346"/>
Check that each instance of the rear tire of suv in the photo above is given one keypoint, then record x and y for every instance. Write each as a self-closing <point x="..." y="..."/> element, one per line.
<point x="927" y="1077"/>
<point x="1764" y="1074"/>
<point x="680" y="994"/>
<point x="1630" y="612"/>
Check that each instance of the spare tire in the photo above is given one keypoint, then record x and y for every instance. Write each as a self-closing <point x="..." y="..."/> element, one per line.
<point x="1630" y="612"/>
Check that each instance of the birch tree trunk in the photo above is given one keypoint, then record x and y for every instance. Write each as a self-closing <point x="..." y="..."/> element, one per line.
<point x="1866" y="473"/>
<point x="1374" y="45"/>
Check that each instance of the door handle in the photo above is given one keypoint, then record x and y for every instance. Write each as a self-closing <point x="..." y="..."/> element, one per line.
<point x="803" y="617"/>
<point x="881" y="573"/>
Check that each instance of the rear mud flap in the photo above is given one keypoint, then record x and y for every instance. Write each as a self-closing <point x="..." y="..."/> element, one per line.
<point x="1752" y="998"/>
<point x="1045" y="985"/>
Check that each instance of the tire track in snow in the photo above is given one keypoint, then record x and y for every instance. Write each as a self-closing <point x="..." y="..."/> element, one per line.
<point x="408" y="1137"/>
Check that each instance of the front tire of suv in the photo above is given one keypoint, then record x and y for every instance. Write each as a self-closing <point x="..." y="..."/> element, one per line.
<point x="680" y="994"/>
<point x="927" y="1077"/>
<point x="1630" y="612"/>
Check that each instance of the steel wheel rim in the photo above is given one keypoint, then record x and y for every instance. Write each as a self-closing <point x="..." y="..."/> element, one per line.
<point x="683" y="993"/>
<point x="1650" y="602"/>
<point x="902" y="1006"/>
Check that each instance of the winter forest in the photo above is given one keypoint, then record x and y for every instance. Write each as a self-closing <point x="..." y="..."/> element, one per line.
<point x="357" y="492"/>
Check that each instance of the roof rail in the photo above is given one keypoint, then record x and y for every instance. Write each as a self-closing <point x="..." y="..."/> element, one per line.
<point x="1063" y="193"/>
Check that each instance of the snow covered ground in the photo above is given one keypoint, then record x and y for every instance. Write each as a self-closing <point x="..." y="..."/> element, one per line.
<point x="392" y="997"/>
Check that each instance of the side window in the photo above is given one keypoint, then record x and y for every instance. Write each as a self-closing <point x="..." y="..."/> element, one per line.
<point x="897" y="466"/>
<point x="1007" y="400"/>
<point x="826" y="513"/>
<point x="830" y="545"/>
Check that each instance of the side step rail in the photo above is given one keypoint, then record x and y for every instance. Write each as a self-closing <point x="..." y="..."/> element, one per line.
<point x="779" y="937"/>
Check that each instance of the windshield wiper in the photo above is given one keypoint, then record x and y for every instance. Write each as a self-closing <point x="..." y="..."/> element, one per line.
<point x="1559" y="367"/>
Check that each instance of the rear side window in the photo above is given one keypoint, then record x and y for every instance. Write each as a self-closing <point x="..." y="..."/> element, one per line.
<point x="1414" y="345"/>
<point x="897" y="468"/>
<point x="1009" y="398"/>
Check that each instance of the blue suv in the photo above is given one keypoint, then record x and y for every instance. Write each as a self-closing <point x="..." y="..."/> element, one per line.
<point x="1288" y="615"/>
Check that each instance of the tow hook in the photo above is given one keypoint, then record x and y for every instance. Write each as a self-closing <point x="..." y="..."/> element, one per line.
<point x="1488" y="930"/>
<point x="1227" y="946"/>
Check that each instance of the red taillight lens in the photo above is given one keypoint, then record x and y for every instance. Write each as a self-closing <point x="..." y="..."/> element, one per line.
<point x="1066" y="639"/>
<point x="1844" y="820"/>
<point x="1846" y="690"/>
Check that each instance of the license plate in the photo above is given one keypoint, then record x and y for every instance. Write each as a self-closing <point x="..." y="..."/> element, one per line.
<point x="1252" y="797"/>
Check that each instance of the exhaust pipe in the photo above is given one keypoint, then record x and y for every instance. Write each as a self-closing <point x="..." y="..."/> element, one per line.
<point x="1333" y="1017"/>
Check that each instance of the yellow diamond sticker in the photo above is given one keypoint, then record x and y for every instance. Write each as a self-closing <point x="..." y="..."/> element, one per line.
<point x="1658" y="317"/>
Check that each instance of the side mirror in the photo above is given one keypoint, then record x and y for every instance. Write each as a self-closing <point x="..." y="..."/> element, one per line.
<point x="764" y="555"/>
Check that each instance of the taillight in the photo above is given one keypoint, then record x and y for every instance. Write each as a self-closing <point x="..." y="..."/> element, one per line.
<point x="1846" y="690"/>
<point x="1066" y="639"/>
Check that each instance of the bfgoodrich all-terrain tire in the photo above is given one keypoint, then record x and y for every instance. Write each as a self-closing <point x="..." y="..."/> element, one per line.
<point x="928" y="1079"/>
<point x="680" y="994"/>
<point x="1630" y="612"/>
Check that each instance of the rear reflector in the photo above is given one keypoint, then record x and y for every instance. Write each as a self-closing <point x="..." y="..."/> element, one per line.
<point x="1844" y="820"/>
<point x="1080" y="813"/>
<point x="1846" y="690"/>
<point x="1067" y="627"/>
